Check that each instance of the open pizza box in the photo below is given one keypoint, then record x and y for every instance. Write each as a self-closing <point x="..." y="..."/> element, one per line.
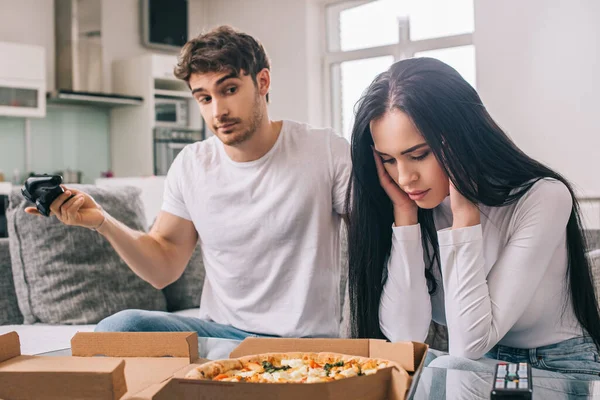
<point x="129" y="364"/>
<point x="388" y="383"/>
<point x="151" y="366"/>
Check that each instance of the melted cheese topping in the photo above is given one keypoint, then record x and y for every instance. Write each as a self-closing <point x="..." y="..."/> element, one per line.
<point x="301" y="371"/>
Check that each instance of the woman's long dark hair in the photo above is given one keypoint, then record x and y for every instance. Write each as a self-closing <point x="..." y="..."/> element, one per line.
<point x="479" y="158"/>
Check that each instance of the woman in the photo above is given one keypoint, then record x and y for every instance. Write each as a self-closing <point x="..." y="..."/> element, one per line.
<point x="450" y="221"/>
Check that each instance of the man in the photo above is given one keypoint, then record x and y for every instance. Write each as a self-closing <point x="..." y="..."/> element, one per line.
<point x="263" y="198"/>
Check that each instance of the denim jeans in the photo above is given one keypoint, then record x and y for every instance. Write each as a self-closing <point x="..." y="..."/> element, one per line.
<point x="577" y="356"/>
<point x="158" y="321"/>
<point x="572" y="358"/>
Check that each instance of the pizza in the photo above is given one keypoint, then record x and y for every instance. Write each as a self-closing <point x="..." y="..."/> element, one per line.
<point x="289" y="368"/>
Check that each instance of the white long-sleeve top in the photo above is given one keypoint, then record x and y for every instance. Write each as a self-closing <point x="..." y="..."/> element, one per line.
<point x="502" y="281"/>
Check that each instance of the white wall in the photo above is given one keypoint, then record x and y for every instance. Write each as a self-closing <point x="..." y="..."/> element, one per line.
<point x="538" y="72"/>
<point x="283" y="27"/>
<point x="315" y="48"/>
<point x="121" y="31"/>
<point x="120" y="34"/>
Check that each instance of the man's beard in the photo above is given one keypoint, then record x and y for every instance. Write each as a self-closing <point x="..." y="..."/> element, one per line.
<point x="237" y="138"/>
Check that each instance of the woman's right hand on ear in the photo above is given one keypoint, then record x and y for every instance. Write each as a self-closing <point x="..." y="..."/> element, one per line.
<point x="80" y="210"/>
<point x="405" y="209"/>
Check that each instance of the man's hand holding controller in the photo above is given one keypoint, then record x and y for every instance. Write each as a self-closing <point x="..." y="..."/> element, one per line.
<point x="71" y="207"/>
<point x="159" y="257"/>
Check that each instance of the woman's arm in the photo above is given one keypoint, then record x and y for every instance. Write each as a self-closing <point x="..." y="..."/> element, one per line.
<point x="405" y="307"/>
<point x="480" y="310"/>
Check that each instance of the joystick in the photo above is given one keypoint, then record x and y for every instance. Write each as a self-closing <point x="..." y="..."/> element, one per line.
<point x="42" y="190"/>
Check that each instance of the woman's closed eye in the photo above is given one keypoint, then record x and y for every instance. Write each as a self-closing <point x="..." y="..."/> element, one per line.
<point x="420" y="157"/>
<point x="414" y="158"/>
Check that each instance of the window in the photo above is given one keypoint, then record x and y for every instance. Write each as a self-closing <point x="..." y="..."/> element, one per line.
<point x="365" y="37"/>
<point x="462" y="58"/>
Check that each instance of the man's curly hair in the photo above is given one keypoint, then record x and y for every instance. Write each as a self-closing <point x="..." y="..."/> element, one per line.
<point x="222" y="49"/>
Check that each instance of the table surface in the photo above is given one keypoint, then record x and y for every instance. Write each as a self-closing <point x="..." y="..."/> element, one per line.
<point x="436" y="383"/>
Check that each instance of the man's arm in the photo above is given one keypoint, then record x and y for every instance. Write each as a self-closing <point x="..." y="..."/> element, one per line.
<point x="158" y="257"/>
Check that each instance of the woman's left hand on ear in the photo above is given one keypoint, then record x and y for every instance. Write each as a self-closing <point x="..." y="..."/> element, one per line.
<point x="464" y="212"/>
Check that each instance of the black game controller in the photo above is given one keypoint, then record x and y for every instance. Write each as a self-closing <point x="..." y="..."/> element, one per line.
<point x="42" y="190"/>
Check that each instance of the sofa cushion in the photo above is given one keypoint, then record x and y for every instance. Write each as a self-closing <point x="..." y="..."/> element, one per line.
<point x="185" y="292"/>
<point x="72" y="275"/>
<point x="9" y="308"/>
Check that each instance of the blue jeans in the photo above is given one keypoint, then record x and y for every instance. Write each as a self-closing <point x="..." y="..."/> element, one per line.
<point x="577" y="356"/>
<point x="572" y="358"/>
<point x="158" y="321"/>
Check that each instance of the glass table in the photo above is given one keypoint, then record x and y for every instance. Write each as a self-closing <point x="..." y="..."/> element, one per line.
<point x="436" y="383"/>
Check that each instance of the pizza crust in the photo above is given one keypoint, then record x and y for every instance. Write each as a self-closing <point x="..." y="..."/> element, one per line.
<point x="215" y="368"/>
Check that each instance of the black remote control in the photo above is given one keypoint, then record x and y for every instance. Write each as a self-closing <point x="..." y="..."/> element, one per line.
<point x="512" y="381"/>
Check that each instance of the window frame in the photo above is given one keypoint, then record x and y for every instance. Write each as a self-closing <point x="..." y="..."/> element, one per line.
<point x="405" y="48"/>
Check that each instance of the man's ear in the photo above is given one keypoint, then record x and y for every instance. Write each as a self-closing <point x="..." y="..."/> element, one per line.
<point x="263" y="81"/>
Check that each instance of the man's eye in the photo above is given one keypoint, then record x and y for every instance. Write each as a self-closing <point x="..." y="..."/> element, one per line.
<point x="231" y="90"/>
<point x="421" y="157"/>
<point x="204" y="99"/>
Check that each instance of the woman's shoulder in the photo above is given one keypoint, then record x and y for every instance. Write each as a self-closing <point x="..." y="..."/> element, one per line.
<point x="548" y="189"/>
<point x="548" y="195"/>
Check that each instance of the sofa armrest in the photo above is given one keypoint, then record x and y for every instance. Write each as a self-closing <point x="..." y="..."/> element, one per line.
<point x="4" y="254"/>
<point x="9" y="307"/>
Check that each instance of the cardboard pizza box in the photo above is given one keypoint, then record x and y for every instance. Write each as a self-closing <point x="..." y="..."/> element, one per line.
<point x="102" y="366"/>
<point x="385" y="384"/>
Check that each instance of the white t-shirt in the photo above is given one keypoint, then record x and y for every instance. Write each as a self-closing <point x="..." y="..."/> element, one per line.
<point x="269" y="230"/>
<point x="503" y="281"/>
